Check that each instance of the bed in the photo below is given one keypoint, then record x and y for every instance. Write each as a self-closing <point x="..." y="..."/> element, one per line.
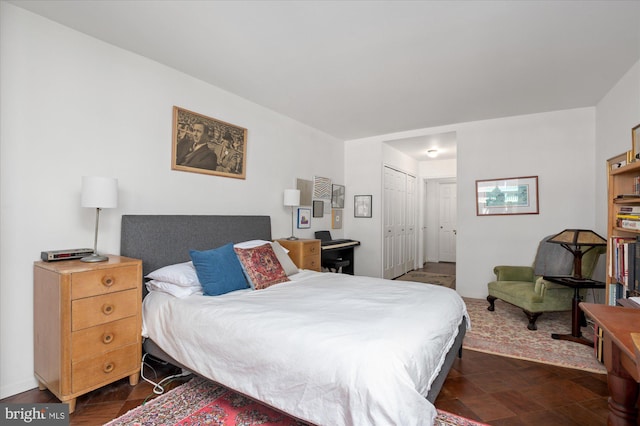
<point x="328" y="349"/>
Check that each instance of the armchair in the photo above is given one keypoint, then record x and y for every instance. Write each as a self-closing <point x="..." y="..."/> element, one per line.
<point x="524" y="287"/>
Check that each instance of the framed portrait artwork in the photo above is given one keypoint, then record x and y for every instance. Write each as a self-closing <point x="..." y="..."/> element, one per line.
<point x="507" y="196"/>
<point x="202" y="144"/>
<point x="362" y="206"/>
<point x="304" y="218"/>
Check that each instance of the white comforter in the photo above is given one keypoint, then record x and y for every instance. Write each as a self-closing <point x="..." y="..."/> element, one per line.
<point x="330" y="349"/>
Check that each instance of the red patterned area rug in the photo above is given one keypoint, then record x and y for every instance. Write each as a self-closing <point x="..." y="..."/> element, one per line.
<point x="504" y="332"/>
<point x="201" y="402"/>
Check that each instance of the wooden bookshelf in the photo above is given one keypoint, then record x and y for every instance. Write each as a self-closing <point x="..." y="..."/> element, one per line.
<point x="623" y="178"/>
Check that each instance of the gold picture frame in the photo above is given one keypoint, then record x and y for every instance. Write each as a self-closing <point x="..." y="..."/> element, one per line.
<point x="507" y="196"/>
<point x="635" y="142"/>
<point x="202" y="144"/>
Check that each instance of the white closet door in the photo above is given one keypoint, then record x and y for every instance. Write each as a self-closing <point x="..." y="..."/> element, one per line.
<point x="411" y="216"/>
<point x="400" y="223"/>
<point x="399" y="242"/>
<point x="388" y="231"/>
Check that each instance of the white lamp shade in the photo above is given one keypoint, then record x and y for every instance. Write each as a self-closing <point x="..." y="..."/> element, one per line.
<point x="99" y="192"/>
<point x="292" y="197"/>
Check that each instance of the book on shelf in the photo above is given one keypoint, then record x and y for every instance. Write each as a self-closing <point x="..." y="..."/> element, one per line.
<point x="616" y="291"/>
<point x="629" y="223"/>
<point x="629" y="209"/>
<point x="627" y="196"/>
<point x="598" y="338"/>
<point x="632" y="216"/>
<point x="623" y="263"/>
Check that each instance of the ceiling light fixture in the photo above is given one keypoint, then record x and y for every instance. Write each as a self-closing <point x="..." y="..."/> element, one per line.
<point x="432" y="153"/>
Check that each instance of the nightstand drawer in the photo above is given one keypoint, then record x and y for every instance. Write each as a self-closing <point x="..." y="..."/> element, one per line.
<point x="97" y="310"/>
<point x="102" y="281"/>
<point x="311" y="262"/>
<point x="103" y="338"/>
<point x="103" y="369"/>
<point x="310" y="248"/>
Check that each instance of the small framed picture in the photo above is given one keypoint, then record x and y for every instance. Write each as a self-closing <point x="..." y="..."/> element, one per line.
<point x="318" y="208"/>
<point x="635" y="138"/>
<point x="337" y="196"/>
<point x="304" y="218"/>
<point x="336" y="219"/>
<point x="362" y="206"/>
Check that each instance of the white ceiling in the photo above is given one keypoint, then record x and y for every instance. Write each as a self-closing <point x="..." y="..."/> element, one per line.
<point x="417" y="147"/>
<point x="361" y="68"/>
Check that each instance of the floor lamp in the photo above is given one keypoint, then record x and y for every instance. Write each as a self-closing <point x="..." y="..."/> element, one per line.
<point x="99" y="193"/>
<point x="292" y="199"/>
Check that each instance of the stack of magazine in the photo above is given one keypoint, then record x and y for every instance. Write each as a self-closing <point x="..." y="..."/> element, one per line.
<point x="628" y="217"/>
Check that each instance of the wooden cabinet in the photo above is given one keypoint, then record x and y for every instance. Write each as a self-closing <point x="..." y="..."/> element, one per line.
<point x="622" y="190"/>
<point x="87" y="320"/>
<point x="304" y="253"/>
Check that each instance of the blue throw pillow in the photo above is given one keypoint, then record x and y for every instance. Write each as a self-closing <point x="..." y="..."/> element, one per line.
<point x="218" y="270"/>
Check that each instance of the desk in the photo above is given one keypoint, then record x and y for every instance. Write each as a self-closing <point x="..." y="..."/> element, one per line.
<point x="576" y="314"/>
<point x="618" y="324"/>
<point x="340" y="251"/>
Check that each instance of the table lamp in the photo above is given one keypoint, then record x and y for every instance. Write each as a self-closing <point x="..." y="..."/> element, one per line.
<point x="99" y="193"/>
<point x="292" y="199"/>
<point x="575" y="240"/>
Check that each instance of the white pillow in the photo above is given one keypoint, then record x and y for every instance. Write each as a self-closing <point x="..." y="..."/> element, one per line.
<point x="180" y="274"/>
<point x="289" y="267"/>
<point x="172" y="289"/>
<point x="250" y="244"/>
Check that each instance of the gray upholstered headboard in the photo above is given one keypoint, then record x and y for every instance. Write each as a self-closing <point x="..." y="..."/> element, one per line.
<point x="161" y="240"/>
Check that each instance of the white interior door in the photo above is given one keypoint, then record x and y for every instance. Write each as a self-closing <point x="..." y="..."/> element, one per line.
<point x="447" y="218"/>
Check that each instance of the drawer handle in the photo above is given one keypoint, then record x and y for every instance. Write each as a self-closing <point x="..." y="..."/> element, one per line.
<point x="108" y="367"/>
<point x="107" y="309"/>
<point x="107" y="338"/>
<point x="108" y="281"/>
<point x="313" y="249"/>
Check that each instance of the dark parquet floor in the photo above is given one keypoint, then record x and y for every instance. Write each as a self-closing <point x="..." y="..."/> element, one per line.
<point x="488" y="388"/>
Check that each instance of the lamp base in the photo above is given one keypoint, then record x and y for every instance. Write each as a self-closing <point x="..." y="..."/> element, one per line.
<point x="292" y="238"/>
<point x="95" y="257"/>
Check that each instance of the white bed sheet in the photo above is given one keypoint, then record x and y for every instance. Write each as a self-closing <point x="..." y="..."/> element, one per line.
<point x="330" y="349"/>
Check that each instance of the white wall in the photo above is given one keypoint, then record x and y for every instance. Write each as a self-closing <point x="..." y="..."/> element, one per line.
<point x="558" y="147"/>
<point x="616" y="114"/>
<point x="554" y="146"/>
<point x="72" y="106"/>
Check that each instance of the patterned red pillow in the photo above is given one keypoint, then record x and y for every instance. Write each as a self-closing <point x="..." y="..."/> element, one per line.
<point x="261" y="266"/>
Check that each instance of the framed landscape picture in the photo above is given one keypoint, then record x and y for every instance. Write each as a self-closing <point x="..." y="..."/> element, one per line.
<point x="506" y="196"/>
<point x="202" y="144"/>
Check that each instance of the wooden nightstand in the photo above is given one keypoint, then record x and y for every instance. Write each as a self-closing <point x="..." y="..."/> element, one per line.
<point x="304" y="253"/>
<point x="87" y="325"/>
